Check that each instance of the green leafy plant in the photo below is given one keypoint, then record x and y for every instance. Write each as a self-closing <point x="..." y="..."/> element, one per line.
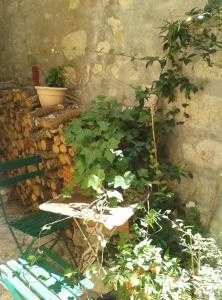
<point x="119" y="158"/>
<point x="114" y="152"/>
<point x="142" y="270"/>
<point x="55" y="77"/>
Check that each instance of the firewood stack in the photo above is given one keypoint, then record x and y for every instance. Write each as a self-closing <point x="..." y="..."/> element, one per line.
<point x="27" y="129"/>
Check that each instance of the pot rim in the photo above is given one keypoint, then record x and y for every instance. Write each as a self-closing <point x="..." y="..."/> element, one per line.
<point x="50" y="88"/>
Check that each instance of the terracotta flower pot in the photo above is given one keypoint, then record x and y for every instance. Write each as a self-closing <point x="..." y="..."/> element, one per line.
<point x="49" y="96"/>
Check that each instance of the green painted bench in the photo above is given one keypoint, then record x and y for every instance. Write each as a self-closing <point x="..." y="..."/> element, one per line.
<point x="42" y="277"/>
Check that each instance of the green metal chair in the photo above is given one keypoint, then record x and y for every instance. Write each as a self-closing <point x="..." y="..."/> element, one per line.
<point x="37" y="224"/>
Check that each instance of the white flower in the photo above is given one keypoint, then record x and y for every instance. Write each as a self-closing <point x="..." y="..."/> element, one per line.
<point x="190" y="204"/>
<point x="189" y="19"/>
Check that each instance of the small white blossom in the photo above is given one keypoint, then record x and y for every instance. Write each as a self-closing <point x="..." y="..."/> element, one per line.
<point x="190" y="204"/>
<point x="189" y="19"/>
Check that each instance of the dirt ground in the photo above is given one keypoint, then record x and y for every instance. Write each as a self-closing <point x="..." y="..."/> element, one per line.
<point x="8" y="248"/>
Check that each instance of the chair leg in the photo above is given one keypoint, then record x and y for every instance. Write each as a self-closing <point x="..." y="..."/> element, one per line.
<point x="15" y="239"/>
<point x="30" y="246"/>
<point x="55" y="242"/>
<point x="69" y="250"/>
<point x="19" y="245"/>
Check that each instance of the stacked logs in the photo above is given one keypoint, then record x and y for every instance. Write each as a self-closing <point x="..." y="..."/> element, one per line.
<point x="27" y="129"/>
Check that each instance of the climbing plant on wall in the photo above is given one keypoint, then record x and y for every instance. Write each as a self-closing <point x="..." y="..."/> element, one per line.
<point x="118" y="157"/>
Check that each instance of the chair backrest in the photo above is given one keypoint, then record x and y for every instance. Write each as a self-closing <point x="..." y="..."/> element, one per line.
<point x="9" y="180"/>
<point x="23" y="174"/>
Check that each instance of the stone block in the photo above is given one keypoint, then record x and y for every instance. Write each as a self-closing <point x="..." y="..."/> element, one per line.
<point x="75" y="44"/>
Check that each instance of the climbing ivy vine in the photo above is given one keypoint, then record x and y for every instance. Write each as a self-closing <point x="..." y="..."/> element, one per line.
<point x="118" y="157"/>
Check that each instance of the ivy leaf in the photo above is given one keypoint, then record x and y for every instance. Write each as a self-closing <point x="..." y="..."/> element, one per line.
<point x="109" y="156"/>
<point x="101" y="174"/>
<point x="43" y="278"/>
<point x="123" y="182"/>
<point x="31" y="258"/>
<point x="119" y="181"/>
<point x="103" y="125"/>
<point x="116" y="195"/>
<point x="69" y="272"/>
<point x="143" y="172"/>
<point x="90" y="158"/>
<point x="128" y="176"/>
<point x="150" y="60"/>
<point x="113" y="143"/>
<point x="143" y="116"/>
<point x="94" y="182"/>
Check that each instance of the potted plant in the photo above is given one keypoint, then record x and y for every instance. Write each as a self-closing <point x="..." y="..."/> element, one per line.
<point x="54" y="91"/>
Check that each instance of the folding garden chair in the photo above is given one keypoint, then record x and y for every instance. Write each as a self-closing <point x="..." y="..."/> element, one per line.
<point x="37" y="224"/>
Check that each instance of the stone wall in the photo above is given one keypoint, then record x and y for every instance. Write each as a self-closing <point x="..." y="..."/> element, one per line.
<point x="29" y="30"/>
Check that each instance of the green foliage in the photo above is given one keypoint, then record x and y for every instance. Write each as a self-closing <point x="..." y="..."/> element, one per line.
<point x="55" y="77"/>
<point x="114" y="152"/>
<point x="142" y="270"/>
<point x="119" y="158"/>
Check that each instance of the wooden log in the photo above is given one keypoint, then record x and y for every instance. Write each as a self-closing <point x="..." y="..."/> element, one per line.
<point x="60" y="173"/>
<point x="50" y="133"/>
<point x="63" y="148"/>
<point x="32" y="151"/>
<point x="57" y="140"/>
<point x="24" y="95"/>
<point x="31" y="102"/>
<point x="53" y="164"/>
<point x="29" y="143"/>
<point x="34" y="198"/>
<point x="55" y="149"/>
<point x="41" y="112"/>
<point x="47" y="155"/>
<point x="26" y="132"/>
<point x="45" y="144"/>
<point x="51" y="175"/>
<point x="39" y="134"/>
<point x="54" y="120"/>
<point x="54" y="194"/>
<point x="61" y="130"/>
<point x="36" y="190"/>
<point x="35" y="206"/>
<point x="55" y="185"/>
<point x="62" y="158"/>
<point x="71" y="152"/>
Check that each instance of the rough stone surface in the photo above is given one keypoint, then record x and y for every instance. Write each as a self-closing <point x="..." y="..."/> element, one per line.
<point x="30" y="29"/>
<point x="74" y="44"/>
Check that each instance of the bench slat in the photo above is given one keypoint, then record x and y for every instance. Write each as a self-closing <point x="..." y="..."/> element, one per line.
<point x="54" y="257"/>
<point x="18" y="178"/>
<point x="86" y="283"/>
<point x="22" y="289"/>
<point x="54" y="283"/>
<point x="19" y="163"/>
<point x="75" y="289"/>
<point x="35" y="284"/>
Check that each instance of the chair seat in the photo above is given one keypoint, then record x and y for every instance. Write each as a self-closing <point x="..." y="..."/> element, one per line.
<point x="41" y="276"/>
<point x="33" y="224"/>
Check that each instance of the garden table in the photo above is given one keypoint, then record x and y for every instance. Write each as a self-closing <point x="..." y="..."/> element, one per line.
<point x="82" y="207"/>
